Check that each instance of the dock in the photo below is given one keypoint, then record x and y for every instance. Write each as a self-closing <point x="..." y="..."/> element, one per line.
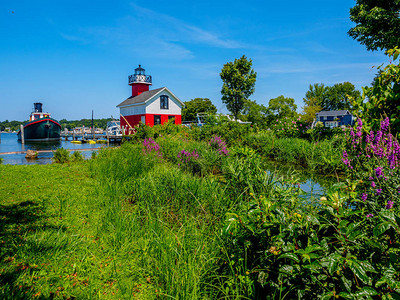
<point x="74" y="136"/>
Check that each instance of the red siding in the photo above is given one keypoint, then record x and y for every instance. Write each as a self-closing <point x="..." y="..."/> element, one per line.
<point x="149" y="120"/>
<point x="164" y="118"/>
<point x="139" y="88"/>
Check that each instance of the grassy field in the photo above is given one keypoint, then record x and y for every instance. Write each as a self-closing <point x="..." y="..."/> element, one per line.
<point x="51" y="240"/>
<point x="87" y="230"/>
<point x="176" y="216"/>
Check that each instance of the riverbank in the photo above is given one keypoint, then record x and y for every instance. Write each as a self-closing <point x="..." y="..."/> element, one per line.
<point x="188" y="217"/>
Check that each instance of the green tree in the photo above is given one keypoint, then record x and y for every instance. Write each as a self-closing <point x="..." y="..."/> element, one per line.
<point x="310" y="109"/>
<point x="195" y="106"/>
<point x="377" y="23"/>
<point x="238" y="80"/>
<point x="382" y="98"/>
<point x="281" y="107"/>
<point x="254" y="113"/>
<point x="316" y="94"/>
<point x="337" y="97"/>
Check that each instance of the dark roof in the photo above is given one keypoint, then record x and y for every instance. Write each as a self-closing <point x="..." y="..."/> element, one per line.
<point x="143" y="97"/>
<point x="333" y="113"/>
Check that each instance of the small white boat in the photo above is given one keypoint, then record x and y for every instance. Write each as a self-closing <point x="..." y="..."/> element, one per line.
<point x="114" y="128"/>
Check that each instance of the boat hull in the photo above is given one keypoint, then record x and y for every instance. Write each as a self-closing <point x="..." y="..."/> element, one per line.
<point x="41" y="130"/>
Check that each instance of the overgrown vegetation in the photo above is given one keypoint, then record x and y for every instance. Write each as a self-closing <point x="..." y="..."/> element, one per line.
<point x="192" y="214"/>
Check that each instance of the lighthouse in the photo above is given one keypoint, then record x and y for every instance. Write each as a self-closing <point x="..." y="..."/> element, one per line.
<point x="150" y="107"/>
<point x="139" y="81"/>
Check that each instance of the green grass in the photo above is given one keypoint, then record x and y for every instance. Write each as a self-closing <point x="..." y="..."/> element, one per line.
<point x="125" y="225"/>
<point x="120" y="226"/>
<point x="51" y="242"/>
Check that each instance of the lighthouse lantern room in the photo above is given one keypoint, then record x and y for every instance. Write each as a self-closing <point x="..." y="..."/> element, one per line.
<point x="151" y="107"/>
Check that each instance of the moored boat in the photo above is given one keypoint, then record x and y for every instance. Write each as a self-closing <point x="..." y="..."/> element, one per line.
<point x="114" y="128"/>
<point x="41" y="127"/>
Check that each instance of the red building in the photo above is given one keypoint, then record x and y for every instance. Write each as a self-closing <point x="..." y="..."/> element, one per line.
<point x="151" y="107"/>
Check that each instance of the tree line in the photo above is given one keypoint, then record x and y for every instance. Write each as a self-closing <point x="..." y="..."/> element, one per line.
<point x="377" y="27"/>
<point x="97" y="123"/>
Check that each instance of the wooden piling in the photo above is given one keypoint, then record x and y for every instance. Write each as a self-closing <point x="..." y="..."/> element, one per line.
<point x="22" y="134"/>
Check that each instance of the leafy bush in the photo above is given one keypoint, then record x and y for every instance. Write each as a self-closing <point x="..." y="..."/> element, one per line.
<point x="382" y="99"/>
<point x="290" y="127"/>
<point x="61" y="156"/>
<point x="278" y="245"/>
<point x="77" y="156"/>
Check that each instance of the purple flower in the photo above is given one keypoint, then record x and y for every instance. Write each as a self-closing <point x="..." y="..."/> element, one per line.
<point x="364" y="197"/>
<point x="378" y="191"/>
<point x="385" y="125"/>
<point x="369" y="215"/>
<point x="378" y="172"/>
<point x="378" y="137"/>
<point x="373" y="185"/>
<point x="389" y="204"/>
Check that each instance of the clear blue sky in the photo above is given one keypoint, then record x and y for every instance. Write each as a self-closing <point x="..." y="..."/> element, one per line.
<point x="75" y="56"/>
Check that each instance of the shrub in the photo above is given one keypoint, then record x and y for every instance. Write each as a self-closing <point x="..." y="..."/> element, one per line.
<point x="61" y="156"/>
<point x="278" y="245"/>
<point x="189" y="161"/>
<point x="219" y="145"/>
<point x="289" y="127"/>
<point x="77" y="156"/>
<point x="150" y="147"/>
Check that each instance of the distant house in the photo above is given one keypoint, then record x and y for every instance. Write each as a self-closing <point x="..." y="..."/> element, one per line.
<point x="151" y="107"/>
<point x="335" y="118"/>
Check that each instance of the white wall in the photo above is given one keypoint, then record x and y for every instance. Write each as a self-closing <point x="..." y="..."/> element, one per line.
<point x="174" y="107"/>
<point x="133" y="110"/>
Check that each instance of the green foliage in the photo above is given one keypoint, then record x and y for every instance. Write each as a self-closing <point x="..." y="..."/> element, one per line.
<point x="377" y="23"/>
<point x="278" y="245"/>
<point x="315" y="94"/>
<point x="337" y="97"/>
<point x="254" y="113"/>
<point x="97" y="123"/>
<point x="12" y="125"/>
<point x="128" y="224"/>
<point x="77" y="156"/>
<point x="61" y="156"/>
<point x="382" y="99"/>
<point x="195" y="106"/>
<point x="281" y="107"/>
<point x="289" y="127"/>
<point x="239" y="80"/>
<point x="310" y="110"/>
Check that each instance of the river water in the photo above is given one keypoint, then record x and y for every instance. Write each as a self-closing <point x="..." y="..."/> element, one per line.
<point x="9" y="143"/>
<point x="314" y="186"/>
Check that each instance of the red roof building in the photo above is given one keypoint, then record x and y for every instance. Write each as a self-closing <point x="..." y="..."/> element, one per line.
<point x="151" y="107"/>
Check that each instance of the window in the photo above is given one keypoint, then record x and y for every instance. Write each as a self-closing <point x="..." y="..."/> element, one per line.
<point x="157" y="119"/>
<point x="171" y="119"/>
<point x="163" y="102"/>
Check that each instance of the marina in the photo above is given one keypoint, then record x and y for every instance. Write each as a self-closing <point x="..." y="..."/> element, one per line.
<point x="13" y="152"/>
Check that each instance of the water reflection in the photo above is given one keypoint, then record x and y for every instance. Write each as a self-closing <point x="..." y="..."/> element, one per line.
<point x="9" y="143"/>
<point x="313" y="185"/>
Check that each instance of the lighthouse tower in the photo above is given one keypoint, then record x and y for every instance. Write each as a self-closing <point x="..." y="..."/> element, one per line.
<point x="150" y="107"/>
<point x="139" y="81"/>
